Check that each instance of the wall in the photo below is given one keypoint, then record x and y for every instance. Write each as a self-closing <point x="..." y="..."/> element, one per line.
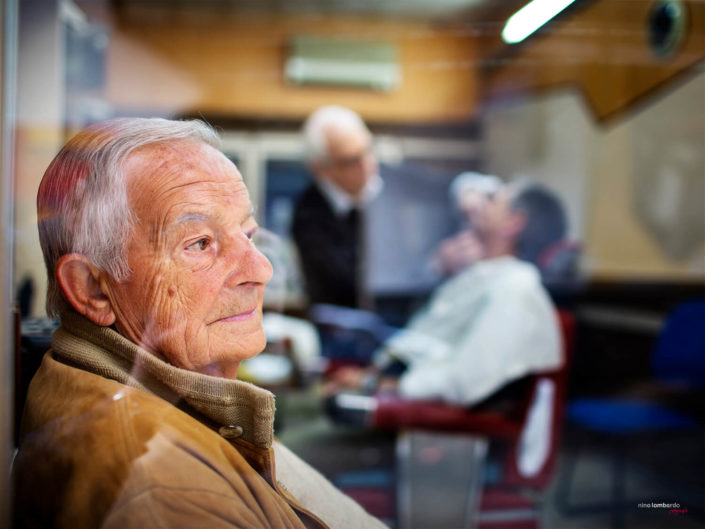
<point x="544" y="138"/>
<point x="635" y="188"/>
<point x="223" y="64"/>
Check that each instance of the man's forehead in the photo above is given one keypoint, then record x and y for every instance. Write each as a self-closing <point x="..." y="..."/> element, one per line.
<point x="178" y="163"/>
<point x="341" y="139"/>
<point x="189" y="152"/>
<point x="168" y="181"/>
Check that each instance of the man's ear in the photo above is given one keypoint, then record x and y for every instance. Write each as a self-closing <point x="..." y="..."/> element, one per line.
<point x="80" y="282"/>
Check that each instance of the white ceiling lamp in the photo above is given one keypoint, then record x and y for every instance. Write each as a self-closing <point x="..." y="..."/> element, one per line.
<point x="530" y="18"/>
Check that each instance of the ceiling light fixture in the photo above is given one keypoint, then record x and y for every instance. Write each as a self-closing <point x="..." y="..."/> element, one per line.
<point x="530" y="18"/>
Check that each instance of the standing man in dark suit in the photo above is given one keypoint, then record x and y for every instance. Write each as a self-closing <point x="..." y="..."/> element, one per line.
<point x="327" y="225"/>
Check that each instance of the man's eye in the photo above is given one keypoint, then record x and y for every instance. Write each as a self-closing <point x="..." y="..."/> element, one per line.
<point x="200" y="245"/>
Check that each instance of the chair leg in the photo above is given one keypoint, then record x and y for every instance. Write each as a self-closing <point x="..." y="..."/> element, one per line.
<point x="439" y="479"/>
<point x="565" y="481"/>
<point x="619" y="483"/>
<point x="617" y="503"/>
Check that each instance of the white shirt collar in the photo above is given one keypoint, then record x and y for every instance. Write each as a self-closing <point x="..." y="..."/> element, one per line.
<point x="342" y="203"/>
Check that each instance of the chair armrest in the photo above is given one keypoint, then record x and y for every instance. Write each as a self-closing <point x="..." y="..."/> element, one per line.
<point x="351" y="408"/>
<point x="393" y="412"/>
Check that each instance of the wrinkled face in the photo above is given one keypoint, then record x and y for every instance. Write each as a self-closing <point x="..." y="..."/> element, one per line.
<point x="496" y="216"/>
<point x="350" y="162"/>
<point x="194" y="297"/>
<point x="471" y="205"/>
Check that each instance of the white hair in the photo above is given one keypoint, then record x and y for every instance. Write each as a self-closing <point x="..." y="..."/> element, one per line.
<point x="323" y="119"/>
<point x="471" y="181"/>
<point x="82" y="202"/>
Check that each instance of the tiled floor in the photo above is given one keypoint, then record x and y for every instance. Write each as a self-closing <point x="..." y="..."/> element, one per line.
<point x="670" y="470"/>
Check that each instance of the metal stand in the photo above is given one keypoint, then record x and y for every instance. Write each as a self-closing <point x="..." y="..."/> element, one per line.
<point x="439" y="479"/>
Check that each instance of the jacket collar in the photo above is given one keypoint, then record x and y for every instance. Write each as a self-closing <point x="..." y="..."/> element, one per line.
<point x="341" y="203"/>
<point x="104" y="352"/>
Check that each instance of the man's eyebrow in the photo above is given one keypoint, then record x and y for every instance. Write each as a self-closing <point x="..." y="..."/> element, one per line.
<point x="191" y="217"/>
<point x="202" y="217"/>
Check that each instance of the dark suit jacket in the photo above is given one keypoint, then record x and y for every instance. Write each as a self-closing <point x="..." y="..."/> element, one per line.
<point x="328" y="247"/>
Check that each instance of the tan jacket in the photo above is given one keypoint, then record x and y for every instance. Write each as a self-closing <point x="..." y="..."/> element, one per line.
<point x="112" y="437"/>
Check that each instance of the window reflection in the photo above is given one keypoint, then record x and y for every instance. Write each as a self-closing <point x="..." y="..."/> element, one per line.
<point x="603" y="106"/>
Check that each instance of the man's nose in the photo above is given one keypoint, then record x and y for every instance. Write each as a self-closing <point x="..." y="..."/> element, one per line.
<point x="247" y="263"/>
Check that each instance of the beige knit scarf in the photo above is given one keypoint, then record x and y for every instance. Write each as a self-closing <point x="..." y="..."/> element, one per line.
<point x="104" y="352"/>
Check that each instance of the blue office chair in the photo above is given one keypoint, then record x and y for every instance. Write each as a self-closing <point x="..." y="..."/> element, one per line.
<point x="678" y="362"/>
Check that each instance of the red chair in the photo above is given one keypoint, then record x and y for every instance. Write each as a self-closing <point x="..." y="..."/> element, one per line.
<point x="456" y="440"/>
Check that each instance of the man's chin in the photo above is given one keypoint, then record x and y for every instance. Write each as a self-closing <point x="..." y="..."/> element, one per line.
<point x="220" y="369"/>
<point x="243" y="347"/>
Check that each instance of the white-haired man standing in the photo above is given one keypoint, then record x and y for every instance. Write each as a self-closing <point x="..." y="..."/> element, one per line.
<point x="135" y="418"/>
<point x="327" y="226"/>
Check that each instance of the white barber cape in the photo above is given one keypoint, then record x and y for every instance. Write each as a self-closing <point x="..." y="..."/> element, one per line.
<point x="490" y="324"/>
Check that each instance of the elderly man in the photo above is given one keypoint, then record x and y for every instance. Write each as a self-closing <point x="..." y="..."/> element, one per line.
<point x="327" y="225"/>
<point x="135" y="418"/>
<point x="490" y="324"/>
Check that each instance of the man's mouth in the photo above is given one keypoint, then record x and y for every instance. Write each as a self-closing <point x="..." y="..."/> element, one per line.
<point x="241" y="316"/>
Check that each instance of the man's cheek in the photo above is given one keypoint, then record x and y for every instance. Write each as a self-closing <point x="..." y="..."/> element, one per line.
<point x="164" y="294"/>
<point x="172" y="307"/>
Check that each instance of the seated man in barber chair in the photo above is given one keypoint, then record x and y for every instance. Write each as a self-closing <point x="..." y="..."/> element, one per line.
<point x="487" y="326"/>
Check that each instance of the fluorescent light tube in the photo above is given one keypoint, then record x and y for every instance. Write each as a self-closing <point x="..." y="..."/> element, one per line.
<point x="530" y="18"/>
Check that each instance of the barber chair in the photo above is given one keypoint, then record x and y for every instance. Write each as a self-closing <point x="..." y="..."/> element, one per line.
<point x="441" y="452"/>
